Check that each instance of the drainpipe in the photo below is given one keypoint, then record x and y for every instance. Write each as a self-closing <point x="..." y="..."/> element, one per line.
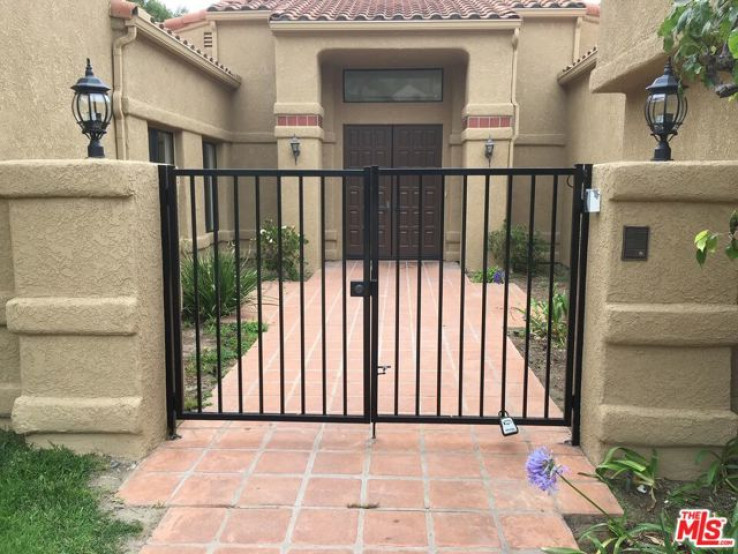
<point x="121" y="144"/>
<point x="514" y="98"/>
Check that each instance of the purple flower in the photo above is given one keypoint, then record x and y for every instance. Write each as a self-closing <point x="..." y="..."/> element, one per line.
<point x="543" y="470"/>
<point x="498" y="277"/>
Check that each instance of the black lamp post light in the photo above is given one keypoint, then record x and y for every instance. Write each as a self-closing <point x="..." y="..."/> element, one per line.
<point x="666" y="108"/>
<point x="92" y="109"/>
<point x="295" y="146"/>
<point x="489" y="150"/>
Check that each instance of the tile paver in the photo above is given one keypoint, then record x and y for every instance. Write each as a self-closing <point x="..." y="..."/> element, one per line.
<point x="263" y="487"/>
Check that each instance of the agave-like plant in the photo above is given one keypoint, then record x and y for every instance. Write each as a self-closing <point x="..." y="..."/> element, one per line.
<point x="210" y="300"/>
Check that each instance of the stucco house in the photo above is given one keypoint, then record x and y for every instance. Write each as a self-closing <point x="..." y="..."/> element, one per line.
<point x="414" y="84"/>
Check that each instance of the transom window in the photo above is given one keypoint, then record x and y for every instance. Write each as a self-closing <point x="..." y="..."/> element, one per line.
<point x="393" y="85"/>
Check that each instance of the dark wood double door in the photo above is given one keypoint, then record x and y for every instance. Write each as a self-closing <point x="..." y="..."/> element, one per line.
<point x="401" y="228"/>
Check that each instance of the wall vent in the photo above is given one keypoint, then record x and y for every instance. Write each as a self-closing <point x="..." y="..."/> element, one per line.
<point x="207" y="39"/>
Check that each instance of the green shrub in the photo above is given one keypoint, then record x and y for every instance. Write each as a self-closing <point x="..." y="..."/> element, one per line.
<point x="290" y="250"/>
<point x="496" y="243"/>
<point x="495" y="274"/>
<point x="539" y="318"/>
<point x="207" y="300"/>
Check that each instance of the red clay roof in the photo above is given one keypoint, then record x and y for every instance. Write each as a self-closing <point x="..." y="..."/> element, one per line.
<point x="389" y="10"/>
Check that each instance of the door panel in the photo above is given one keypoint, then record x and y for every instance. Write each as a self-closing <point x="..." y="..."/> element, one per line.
<point x="399" y="209"/>
<point x="366" y="145"/>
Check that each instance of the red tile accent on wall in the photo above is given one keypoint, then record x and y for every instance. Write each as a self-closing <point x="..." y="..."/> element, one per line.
<point x="487" y="121"/>
<point x="299" y="120"/>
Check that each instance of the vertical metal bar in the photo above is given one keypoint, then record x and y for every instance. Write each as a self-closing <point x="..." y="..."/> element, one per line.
<point x="367" y="338"/>
<point x="419" y="300"/>
<point x="506" y="301"/>
<point x="374" y="280"/>
<point x="322" y="292"/>
<point x="176" y="294"/>
<point x="396" y="248"/>
<point x="552" y="262"/>
<point x="462" y="297"/>
<point x="168" y="273"/>
<point x="259" y="311"/>
<point x="584" y="247"/>
<point x="483" y="338"/>
<point x="302" y="292"/>
<point x="237" y="229"/>
<point x="343" y="295"/>
<point x="529" y="290"/>
<point x="439" y="349"/>
<point x="576" y="211"/>
<point x="218" y="292"/>
<point x="196" y="283"/>
<point x="280" y="279"/>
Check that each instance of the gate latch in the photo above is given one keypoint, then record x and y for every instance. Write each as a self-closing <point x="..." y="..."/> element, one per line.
<point x="592" y="201"/>
<point x="362" y="289"/>
<point x="383" y="369"/>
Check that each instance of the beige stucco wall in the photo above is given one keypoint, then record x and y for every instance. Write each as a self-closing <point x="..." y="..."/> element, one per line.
<point x="594" y="130"/>
<point x="542" y="139"/>
<point x="87" y="305"/>
<point x="659" y="333"/>
<point x="630" y="58"/>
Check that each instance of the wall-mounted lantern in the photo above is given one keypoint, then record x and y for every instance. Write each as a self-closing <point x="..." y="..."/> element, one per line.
<point x="295" y="146"/>
<point x="91" y="107"/>
<point x="489" y="150"/>
<point x="666" y="108"/>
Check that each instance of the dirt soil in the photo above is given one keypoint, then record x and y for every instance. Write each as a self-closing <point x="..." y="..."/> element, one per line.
<point x="538" y="348"/>
<point x="108" y="482"/>
<point x="639" y="507"/>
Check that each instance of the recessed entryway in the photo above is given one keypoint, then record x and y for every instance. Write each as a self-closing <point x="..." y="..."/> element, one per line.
<point x="400" y="226"/>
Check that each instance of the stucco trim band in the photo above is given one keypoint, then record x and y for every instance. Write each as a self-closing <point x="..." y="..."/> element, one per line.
<point x="501" y="133"/>
<point x="623" y="72"/>
<point x="34" y="414"/>
<point x="170" y="44"/>
<point x="383" y="26"/>
<point x="677" y="324"/>
<point x="642" y="426"/>
<point x="70" y="178"/>
<point x="72" y="316"/>
<point x="692" y="182"/>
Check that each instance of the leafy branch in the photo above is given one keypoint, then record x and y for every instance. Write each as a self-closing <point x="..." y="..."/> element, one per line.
<point x="702" y="36"/>
<point x="707" y="242"/>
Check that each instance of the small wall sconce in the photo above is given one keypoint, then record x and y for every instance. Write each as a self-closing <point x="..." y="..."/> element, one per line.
<point x="92" y="110"/>
<point x="295" y="146"/>
<point x="666" y="108"/>
<point x="489" y="150"/>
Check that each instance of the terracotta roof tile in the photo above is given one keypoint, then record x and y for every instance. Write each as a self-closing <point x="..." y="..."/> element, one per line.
<point x="389" y="10"/>
<point x="176" y="23"/>
<point x="127" y="10"/>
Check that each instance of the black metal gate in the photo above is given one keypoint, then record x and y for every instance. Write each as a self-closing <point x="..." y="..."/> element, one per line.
<point x="322" y="338"/>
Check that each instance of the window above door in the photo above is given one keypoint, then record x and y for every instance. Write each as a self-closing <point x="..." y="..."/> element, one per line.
<point x="392" y="85"/>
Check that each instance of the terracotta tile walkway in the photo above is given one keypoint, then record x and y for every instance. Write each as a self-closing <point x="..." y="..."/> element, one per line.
<point x="243" y="487"/>
<point x="398" y="348"/>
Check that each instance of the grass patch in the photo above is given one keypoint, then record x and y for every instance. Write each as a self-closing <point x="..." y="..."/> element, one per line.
<point x="47" y="505"/>
<point x="209" y="358"/>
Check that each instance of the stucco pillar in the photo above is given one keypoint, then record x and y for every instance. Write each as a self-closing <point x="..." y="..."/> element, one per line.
<point x="473" y="156"/>
<point x="87" y="303"/>
<point x="660" y="333"/>
<point x="311" y="157"/>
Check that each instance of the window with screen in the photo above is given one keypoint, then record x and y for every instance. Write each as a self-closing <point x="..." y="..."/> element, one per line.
<point x="209" y="161"/>
<point x="393" y="85"/>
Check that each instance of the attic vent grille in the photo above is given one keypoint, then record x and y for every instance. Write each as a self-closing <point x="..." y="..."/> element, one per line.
<point x="207" y="38"/>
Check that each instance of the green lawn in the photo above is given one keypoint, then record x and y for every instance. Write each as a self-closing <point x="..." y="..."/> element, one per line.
<point x="47" y="505"/>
